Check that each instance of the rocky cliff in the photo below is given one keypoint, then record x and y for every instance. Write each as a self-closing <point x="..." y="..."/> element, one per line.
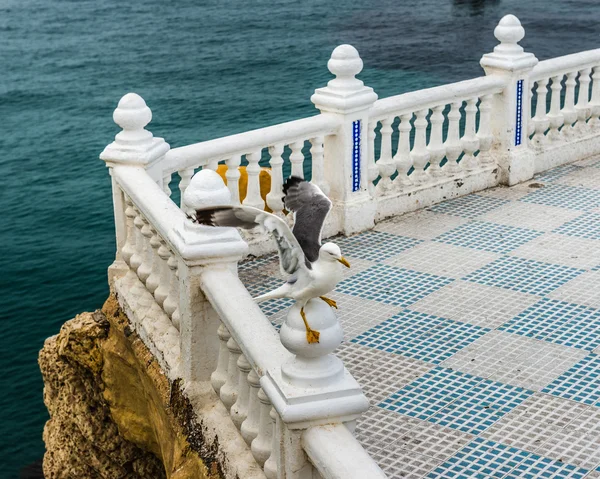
<point x="113" y="413"/>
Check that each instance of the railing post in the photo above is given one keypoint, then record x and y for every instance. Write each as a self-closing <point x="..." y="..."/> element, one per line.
<point x="510" y="110"/>
<point x="202" y="247"/>
<point x="346" y="157"/>
<point x="134" y="145"/>
<point x="311" y="388"/>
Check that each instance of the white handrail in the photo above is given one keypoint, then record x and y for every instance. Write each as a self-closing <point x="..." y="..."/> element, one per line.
<point x="567" y="63"/>
<point x="440" y="95"/>
<point x="336" y="454"/>
<point x="199" y="154"/>
<point x="250" y="328"/>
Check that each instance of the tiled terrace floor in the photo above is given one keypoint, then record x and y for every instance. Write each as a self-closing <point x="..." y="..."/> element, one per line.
<point x="474" y="329"/>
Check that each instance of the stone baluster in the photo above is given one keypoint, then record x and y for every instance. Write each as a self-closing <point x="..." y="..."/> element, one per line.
<point x="229" y="390"/>
<point x="419" y="153"/>
<point x="146" y="267"/>
<point x="469" y="141"/>
<point x="171" y="302"/>
<point x="403" y="159"/>
<point x="274" y="197"/>
<point x="219" y="375"/>
<point x="372" y="164"/>
<point x="162" y="291"/>
<point x="253" y="197"/>
<point x="184" y="182"/>
<point x="583" y="100"/>
<point x="133" y="146"/>
<point x="595" y="102"/>
<point x="261" y="445"/>
<point x="239" y="411"/>
<point x="251" y="423"/>
<point x="166" y="182"/>
<point x="569" y="112"/>
<point x="484" y="133"/>
<point x="233" y="178"/>
<point x="318" y="165"/>
<point x="213" y="165"/>
<point x="297" y="159"/>
<point x="386" y="164"/>
<point x="436" y="142"/>
<point x="138" y="257"/>
<point x="270" y="466"/>
<point x="540" y="121"/>
<point x="128" y="249"/>
<point x="154" y="278"/>
<point x="453" y="145"/>
<point x="555" y="116"/>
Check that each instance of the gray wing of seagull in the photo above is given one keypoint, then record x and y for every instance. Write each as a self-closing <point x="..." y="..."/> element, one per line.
<point x="291" y="256"/>
<point x="310" y="207"/>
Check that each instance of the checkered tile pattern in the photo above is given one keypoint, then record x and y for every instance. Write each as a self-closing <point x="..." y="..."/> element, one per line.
<point x="474" y="329"/>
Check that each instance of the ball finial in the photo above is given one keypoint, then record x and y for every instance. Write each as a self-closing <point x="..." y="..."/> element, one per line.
<point x="345" y="62"/>
<point x="132" y="113"/>
<point x="206" y="189"/>
<point x="509" y="30"/>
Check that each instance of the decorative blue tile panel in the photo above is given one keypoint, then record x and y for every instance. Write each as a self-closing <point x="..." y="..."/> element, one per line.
<point x="374" y="245"/>
<point x="263" y="284"/>
<point x="487" y="236"/>
<point x="420" y="336"/>
<point x="481" y="407"/>
<point x="580" y="383"/>
<point x="390" y="285"/>
<point x="556" y="173"/>
<point x="571" y="197"/>
<point x="585" y="226"/>
<point x="524" y="275"/>
<point x="430" y="393"/>
<point x="519" y="122"/>
<point x="470" y="206"/>
<point x="356" y="155"/>
<point x="558" y="322"/>
<point x="485" y="459"/>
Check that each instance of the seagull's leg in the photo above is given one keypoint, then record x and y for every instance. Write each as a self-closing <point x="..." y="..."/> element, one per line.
<point x="312" y="336"/>
<point x="329" y="301"/>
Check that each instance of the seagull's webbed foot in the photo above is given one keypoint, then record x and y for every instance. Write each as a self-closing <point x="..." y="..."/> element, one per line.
<point x="329" y="301"/>
<point x="312" y="336"/>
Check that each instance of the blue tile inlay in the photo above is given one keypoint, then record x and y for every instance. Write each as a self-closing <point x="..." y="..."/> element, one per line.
<point x="458" y="400"/>
<point x="420" y="336"/>
<point x="375" y="245"/>
<point x="484" y="459"/>
<point x="487" y="236"/>
<point x="469" y="206"/>
<point x="558" y="322"/>
<point x="391" y="285"/>
<point x="585" y="226"/>
<point x="519" y="120"/>
<point x="556" y="173"/>
<point x="524" y="275"/>
<point x="356" y="155"/>
<point x="580" y="383"/>
<point x="572" y="197"/>
<point x="264" y="285"/>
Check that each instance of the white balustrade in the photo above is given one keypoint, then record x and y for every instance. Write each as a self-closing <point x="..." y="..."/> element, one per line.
<point x="179" y="281"/>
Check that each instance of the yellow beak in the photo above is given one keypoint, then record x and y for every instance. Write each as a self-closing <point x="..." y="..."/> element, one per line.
<point x="344" y="262"/>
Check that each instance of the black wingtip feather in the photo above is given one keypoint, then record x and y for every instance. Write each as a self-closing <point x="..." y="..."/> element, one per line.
<point x="205" y="217"/>
<point x="291" y="182"/>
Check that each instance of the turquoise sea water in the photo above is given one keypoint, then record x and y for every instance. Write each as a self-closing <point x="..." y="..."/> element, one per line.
<point x="206" y="70"/>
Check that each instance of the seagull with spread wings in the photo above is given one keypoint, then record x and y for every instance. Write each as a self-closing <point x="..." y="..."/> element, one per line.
<point x="313" y="269"/>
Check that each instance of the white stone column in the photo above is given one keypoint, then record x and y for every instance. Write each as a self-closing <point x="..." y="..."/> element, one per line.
<point x="202" y="247"/>
<point x="510" y="110"/>
<point x="346" y="158"/>
<point x="133" y="145"/>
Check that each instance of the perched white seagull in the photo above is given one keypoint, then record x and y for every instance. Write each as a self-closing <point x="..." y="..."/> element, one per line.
<point x="313" y="269"/>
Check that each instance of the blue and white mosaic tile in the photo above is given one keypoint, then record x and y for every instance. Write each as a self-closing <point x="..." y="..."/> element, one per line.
<point x="374" y="245"/>
<point x="585" y="226"/>
<point x="564" y="196"/>
<point x="486" y="236"/>
<point x="470" y="206"/>
<point x="580" y="383"/>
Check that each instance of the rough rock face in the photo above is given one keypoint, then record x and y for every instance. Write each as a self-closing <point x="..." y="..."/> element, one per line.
<point x="113" y="413"/>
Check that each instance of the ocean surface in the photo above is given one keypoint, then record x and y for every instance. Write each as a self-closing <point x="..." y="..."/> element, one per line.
<point x="206" y="69"/>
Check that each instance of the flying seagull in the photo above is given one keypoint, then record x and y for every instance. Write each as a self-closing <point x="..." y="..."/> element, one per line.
<point x="313" y="269"/>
